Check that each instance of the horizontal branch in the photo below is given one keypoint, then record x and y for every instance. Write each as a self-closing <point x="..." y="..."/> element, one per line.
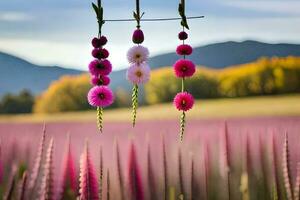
<point x="152" y="19"/>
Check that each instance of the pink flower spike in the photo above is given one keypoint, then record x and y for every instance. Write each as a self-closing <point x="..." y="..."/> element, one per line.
<point x="138" y="74"/>
<point x="135" y="179"/>
<point x="184" y="68"/>
<point x="47" y="185"/>
<point x="183" y="101"/>
<point x="88" y="180"/>
<point x="100" y="67"/>
<point x="1" y="167"/>
<point x="100" y="96"/>
<point x="69" y="173"/>
<point x="101" y="80"/>
<point x="184" y="50"/>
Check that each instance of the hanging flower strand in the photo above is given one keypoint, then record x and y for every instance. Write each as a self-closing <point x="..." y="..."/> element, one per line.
<point x="100" y="95"/>
<point x="139" y="71"/>
<point x="183" y="69"/>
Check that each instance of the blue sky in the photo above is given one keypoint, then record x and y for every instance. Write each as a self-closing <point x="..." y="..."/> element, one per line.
<point x="58" y="32"/>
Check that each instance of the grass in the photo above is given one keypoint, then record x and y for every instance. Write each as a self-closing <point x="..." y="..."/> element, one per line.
<point x="283" y="105"/>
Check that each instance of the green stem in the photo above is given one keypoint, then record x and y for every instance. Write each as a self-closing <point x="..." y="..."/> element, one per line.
<point x="135" y="103"/>
<point x="100" y="119"/>
<point x="182" y="85"/>
<point x="182" y="125"/>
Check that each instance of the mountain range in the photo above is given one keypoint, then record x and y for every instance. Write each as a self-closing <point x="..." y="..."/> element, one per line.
<point x="17" y="74"/>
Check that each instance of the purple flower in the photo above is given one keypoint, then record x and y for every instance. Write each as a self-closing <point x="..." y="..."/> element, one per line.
<point x="138" y="36"/>
<point x="183" y="35"/>
<point x="102" y="40"/>
<point x="100" y="53"/>
<point x="96" y="42"/>
<point x="100" y="67"/>
<point x="100" y="80"/>
<point x="100" y="96"/>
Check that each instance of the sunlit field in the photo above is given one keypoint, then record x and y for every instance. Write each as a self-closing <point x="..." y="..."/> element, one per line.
<point x="284" y="105"/>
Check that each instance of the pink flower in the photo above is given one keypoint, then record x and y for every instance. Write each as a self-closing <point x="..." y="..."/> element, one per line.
<point x="183" y="101"/>
<point x="100" y="80"/>
<point x="137" y="54"/>
<point x="182" y="35"/>
<point x="138" y="36"/>
<point x="100" y="67"/>
<point x="184" y="68"/>
<point x="100" y="96"/>
<point x="100" y="53"/>
<point x="138" y="74"/>
<point x="184" y="49"/>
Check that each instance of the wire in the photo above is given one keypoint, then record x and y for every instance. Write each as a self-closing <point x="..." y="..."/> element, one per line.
<point x="152" y="19"/>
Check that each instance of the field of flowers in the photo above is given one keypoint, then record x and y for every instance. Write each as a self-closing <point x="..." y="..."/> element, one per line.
<point x="254" y="158"/>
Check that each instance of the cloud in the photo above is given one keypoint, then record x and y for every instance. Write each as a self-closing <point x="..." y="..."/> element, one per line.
<point x="289" y="7"/>
<point x="14" y="16"/>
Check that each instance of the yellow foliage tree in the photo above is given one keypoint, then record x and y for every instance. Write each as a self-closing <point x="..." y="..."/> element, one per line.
<point x="263" y="77"/>
<point x="66" y="94"/>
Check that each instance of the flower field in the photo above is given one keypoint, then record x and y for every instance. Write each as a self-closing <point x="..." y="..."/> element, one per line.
<point x="250" y="158"/>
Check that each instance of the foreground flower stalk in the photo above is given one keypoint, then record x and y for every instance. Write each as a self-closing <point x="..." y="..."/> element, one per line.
<point x="183" y="69"/>
<point x="139" y="71"/>
<point x="100" y="95"/>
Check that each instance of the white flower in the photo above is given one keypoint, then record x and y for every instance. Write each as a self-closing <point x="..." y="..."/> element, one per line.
<point x="138" y="74"/>
<point x="137" y="54"/>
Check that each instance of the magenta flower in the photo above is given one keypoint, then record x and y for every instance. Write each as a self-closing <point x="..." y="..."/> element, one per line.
<point x="100" y="96"/>
<point x="138" y="74"/>
<point x="182" y="35"/>
<point x="100" y="53"/>
<point x="184" y="50"/>
<point x="138" y="36"/>
<point x="100" y="80"/>
<point x="184" y="68"/>
<point x="100" y="67"/>
<point x="183" y="101"/>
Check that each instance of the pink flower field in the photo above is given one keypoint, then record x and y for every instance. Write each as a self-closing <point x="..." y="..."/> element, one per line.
<point x="246" y="158"/>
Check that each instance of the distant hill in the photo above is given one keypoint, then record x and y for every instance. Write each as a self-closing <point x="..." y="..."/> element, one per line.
<point x="16" y="74"/>
<point x="226" y="54"/>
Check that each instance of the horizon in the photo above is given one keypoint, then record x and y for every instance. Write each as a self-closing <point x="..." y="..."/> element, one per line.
<point x="44" y="40"/>
<point x="159" y="54"/>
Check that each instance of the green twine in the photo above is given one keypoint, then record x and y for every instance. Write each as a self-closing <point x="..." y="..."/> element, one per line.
<point x="135" y="103"/>
<point x="182" y="125"/>
<point x="100" y="118"/>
